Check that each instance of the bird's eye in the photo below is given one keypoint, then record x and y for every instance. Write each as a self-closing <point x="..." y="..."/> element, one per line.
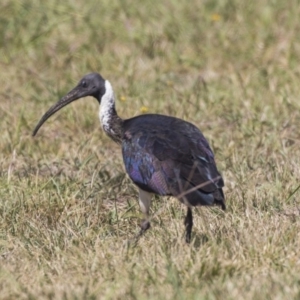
<point x="84" y="84"/>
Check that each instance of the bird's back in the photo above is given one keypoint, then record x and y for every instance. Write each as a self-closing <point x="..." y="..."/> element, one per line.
<point x="169" y="156"/>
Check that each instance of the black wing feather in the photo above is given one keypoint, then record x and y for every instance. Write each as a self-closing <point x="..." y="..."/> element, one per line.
<point x="168" y="156"/>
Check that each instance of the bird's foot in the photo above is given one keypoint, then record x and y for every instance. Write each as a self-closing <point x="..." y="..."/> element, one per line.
<point x="188" y="236"/>
<point x="145" y="225"/>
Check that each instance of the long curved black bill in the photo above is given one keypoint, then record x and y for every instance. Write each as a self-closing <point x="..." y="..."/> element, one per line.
<point x="73" y="95"/>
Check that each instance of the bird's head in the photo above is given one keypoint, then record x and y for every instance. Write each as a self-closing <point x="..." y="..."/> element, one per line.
<point x="90" y="85"/>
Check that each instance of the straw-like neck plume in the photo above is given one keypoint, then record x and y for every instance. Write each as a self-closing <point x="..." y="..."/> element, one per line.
<point x="110" y="121"/>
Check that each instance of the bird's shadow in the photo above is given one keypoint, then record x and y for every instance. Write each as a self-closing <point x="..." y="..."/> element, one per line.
<point x="199" y="240"/>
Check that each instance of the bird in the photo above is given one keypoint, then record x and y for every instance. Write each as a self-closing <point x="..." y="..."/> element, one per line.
<point x="162" y="154"/>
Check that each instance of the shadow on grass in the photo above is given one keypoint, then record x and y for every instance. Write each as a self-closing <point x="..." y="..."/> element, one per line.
<point x="199" y="240"/>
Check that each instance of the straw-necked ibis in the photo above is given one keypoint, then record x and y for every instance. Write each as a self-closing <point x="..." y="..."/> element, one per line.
<point x="162" y="155"/>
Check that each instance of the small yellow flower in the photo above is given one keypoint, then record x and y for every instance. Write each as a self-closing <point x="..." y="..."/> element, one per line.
<point x="215" y="17"/>
<point x="144" y="109"/>
<point x="123" y="98"/>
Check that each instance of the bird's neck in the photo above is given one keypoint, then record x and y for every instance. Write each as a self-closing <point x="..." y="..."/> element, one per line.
<point x="111" y="123"/>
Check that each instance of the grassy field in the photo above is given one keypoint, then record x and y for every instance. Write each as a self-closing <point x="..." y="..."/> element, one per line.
<point x="67" y="209"/>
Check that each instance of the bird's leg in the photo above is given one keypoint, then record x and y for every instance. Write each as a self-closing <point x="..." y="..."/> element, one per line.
<point x="144" y="201"/>
<point x="188" y="222"/>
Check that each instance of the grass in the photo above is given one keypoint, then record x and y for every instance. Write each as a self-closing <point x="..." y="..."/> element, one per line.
<point x="67" y="210"/>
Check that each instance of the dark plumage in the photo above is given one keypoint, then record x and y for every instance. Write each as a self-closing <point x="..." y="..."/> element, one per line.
<point x="162" y="155"/>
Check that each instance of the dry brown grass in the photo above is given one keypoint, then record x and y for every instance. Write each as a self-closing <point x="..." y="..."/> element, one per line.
<point x="66" y="209"/>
